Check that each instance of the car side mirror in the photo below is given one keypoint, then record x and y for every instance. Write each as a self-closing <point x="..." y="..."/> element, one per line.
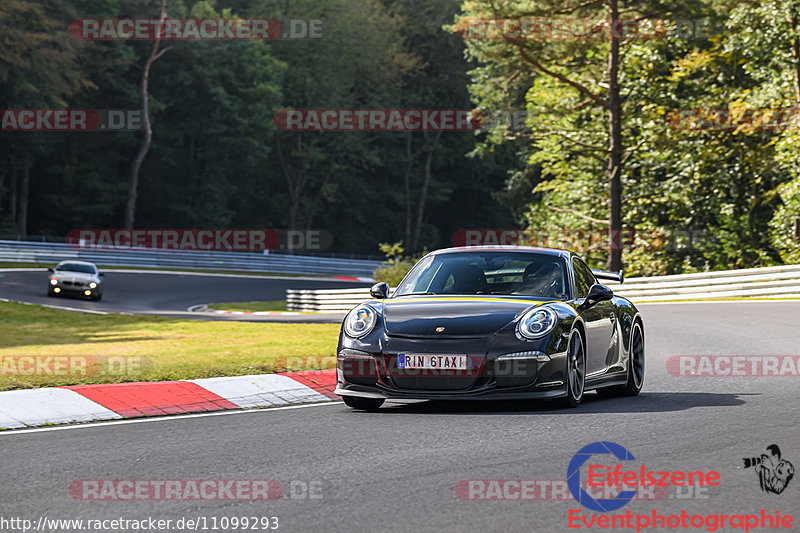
<point x="598" y="293"/>
<point x="380" y="291"/>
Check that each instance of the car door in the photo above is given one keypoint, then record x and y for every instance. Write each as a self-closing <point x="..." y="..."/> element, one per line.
<point x="599" y="320"/>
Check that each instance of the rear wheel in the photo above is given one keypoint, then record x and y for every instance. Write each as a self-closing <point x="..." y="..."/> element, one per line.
<point x="363" y="404"/>
<point x="635" y="368"/>
<point x="576" y="369"/>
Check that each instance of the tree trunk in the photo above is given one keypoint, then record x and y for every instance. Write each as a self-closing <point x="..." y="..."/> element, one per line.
<point x="12" y="200"/>
<point x="296" y="174"/>
<point x="312" y="211"/>
<point x="133" y="184"/>
<point x="423" y="193"/>
<point x="24" y="188"/>
<point x="614" y="169"/>
<point x="407" y="189"/>
<point x="3" y="173"/>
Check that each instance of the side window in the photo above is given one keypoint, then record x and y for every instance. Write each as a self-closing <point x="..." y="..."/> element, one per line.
<point x="584" y="279"/>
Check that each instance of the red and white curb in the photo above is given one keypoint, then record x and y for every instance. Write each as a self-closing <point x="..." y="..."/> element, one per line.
<point x="90" y="403"/>
<point x="355" y="278"/>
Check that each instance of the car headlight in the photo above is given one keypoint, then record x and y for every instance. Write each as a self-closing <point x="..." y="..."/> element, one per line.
<point x="360" y="321"/>
<point x="537" y="323"/>
<point x="92" y="285"/>
<point x="53" y="281"/>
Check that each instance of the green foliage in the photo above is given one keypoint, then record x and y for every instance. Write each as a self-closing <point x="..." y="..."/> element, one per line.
<point x="726" y="186"/>
<point x="218" y="160"/>
<point x="396" y="266"/>
<point x="785" y="224"/>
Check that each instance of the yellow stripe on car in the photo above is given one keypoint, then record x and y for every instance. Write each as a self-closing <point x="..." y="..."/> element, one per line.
<point x="462" y="299"/>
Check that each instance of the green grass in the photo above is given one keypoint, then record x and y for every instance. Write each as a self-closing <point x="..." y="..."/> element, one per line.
<point x="279" y="305"/>
<point x="119" y="348"/>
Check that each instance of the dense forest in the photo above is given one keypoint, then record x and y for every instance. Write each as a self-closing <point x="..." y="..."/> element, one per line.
<point x="673" y="122"/>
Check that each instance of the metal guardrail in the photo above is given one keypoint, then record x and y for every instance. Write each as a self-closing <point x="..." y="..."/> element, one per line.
<point x="781" y="281"/>
<point x="39" y="252"/>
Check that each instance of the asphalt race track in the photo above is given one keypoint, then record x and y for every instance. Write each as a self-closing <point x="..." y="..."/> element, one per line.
<point x="397" y="469"/>
<point x="171" y="294"/>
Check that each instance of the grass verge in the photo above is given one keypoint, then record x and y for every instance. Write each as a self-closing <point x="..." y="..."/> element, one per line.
<point x="279" y="305"/>
<point x="42" y="347"/>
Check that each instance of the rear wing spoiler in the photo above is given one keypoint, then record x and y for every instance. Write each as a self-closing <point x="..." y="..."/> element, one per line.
<point x="613" y="276"/>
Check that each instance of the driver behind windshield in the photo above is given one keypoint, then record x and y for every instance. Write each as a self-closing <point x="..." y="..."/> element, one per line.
<point x="541" y="279"/>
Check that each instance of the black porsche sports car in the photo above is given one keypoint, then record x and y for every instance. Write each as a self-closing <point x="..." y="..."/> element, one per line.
<point x="485" y="322"/>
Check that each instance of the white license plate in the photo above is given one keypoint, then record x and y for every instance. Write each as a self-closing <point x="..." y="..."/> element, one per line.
<point x="432" y="362"/>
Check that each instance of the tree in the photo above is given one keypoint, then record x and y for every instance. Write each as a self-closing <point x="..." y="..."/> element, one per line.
<point x="39" y="68"/>
<point x="585" y="70"/>
<point x="133" y="185"/>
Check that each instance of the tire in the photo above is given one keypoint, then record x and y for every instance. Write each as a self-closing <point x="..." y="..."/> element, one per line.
<point x="576" y="369"/>
<point x="635" y="380"/>
<point x="98" y="297"/>
<point x="363" y="404"/>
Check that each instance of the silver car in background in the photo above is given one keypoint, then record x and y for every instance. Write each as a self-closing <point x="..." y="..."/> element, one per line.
<point x="79" y="278"/>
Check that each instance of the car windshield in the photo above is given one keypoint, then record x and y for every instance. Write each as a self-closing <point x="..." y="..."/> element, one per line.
<point x="74" y="267"/>
<point x="511" y="273"/>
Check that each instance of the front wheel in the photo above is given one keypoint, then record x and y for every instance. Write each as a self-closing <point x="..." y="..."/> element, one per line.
<point x="576" y="369"/>
<point x="363" y="404"/>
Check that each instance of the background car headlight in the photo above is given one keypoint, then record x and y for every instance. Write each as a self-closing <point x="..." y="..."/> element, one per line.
<point x="360" y="321"/>
<point x="537" y="323"/>
<point x="92" y="285"/>
<point x="53" y="281"/>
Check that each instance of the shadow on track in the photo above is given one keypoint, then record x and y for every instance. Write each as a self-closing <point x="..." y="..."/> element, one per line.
<point x="646" y="402"/>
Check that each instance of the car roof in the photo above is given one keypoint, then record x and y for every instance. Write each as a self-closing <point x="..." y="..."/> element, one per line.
<point x="498" y="248"/>
<point x="76" y="262"/>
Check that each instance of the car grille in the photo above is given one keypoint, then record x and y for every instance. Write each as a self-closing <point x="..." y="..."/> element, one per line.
<point x="432" y="383"/>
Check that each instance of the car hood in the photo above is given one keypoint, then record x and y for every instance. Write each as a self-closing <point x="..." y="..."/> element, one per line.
<point x="458" y="315"/>
<point x="73" y="276"/>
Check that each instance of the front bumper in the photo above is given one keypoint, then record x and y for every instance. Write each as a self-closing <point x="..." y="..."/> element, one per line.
<point x="499" y="367"/>
<point x="73" y="288"/>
